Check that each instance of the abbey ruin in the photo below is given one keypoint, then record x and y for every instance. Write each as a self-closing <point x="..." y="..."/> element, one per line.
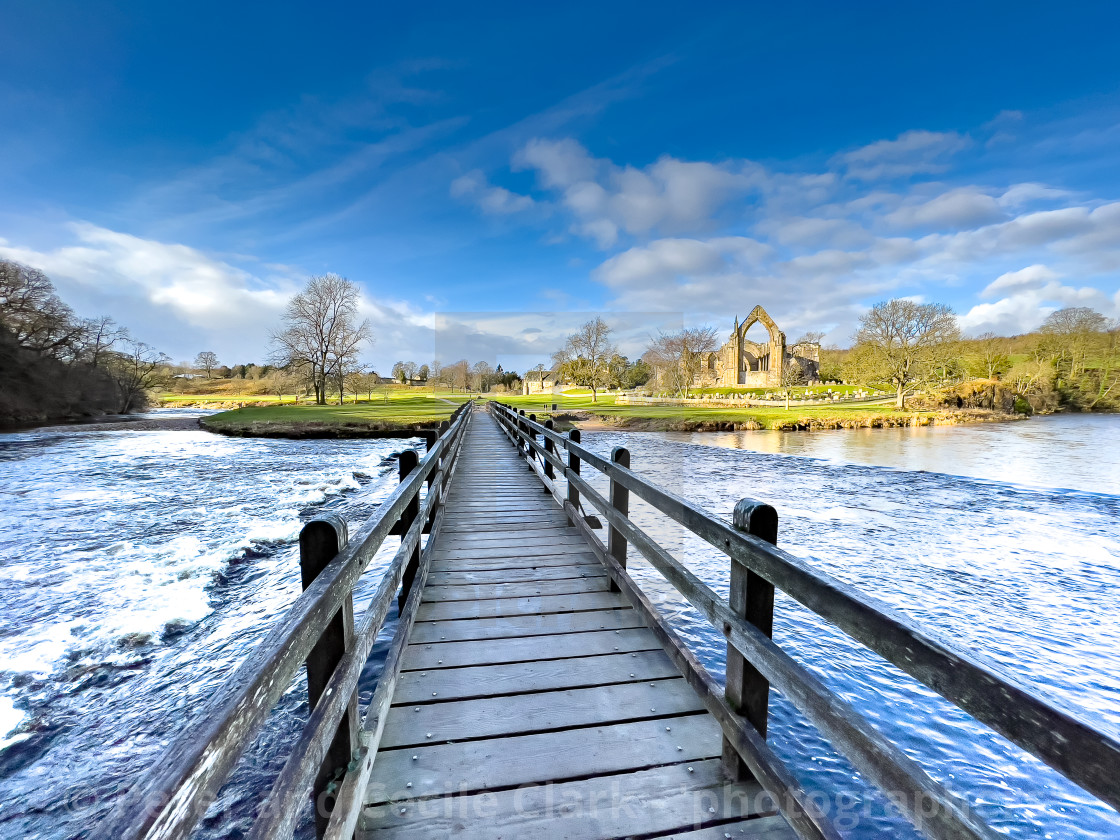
<point x="741" y="361"/>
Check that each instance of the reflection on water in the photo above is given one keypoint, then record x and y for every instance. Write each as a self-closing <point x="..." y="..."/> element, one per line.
<point x="944" y="525"/>
<point x="1073" y="451"/>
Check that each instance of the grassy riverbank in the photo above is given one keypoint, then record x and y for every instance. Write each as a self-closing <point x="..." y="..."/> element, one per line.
<point x="406" y="411"/>
<point x="607" y="413"/>
<point x="399" y="415"/>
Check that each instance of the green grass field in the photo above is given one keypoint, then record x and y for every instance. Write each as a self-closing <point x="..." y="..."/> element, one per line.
<point x="406" y="409"/>
<point x="399" y="412"/>
<point x="668" y="416"/>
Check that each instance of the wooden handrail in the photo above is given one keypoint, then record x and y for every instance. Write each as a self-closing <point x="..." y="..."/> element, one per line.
<point x="1087" y="757"/>
<point x="190" y="771"/>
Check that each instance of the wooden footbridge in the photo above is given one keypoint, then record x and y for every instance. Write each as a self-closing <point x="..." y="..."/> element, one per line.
<point x="532" y="690"/>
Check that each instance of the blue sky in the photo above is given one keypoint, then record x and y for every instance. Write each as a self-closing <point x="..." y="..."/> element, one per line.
<point x="185" y="167"/>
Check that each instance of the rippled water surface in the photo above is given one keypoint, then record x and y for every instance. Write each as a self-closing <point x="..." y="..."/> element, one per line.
<point x="140" y="567"/>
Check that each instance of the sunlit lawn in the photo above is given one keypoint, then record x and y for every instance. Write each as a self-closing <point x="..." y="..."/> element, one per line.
<point x="399" y="410"/>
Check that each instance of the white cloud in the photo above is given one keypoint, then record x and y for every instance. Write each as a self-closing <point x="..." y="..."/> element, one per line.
<point x="965" y="207"/>
<point x="911" y="153"/>
<point x="1031" y="277"/>
<point x="668" y="196"/>
<point x="1026" y="297"/>
<point x="1020" y="194"/>
<point x="181" y="300"/>
<point x="491" y="199"/>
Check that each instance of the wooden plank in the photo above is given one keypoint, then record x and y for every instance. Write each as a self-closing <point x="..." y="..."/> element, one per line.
<point x="536" y="648"/>
<point x="515" y="539"/>
<point x="525" y="625"/>
<point x="494" y="680"/>
<point x="519" y="561"/>
<point x="484" y="563"/>
<point x="563" y="532"/>
<point x="539" y="712"/>
<point x="538" y="604"/>
<point x="759" y="828"/>
<point x="439" y="769"/>
<point x="488" y="576"/>
<point x="449" y="550"/>
<point x="471" y="525"/>
<point x="506" y="520"/>
<point x="648" y="802"/>
<point x="499" y="591"/>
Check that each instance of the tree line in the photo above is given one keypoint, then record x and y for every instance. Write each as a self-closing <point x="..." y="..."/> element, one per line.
<point x="901" y="346"/>
<point x="1071" y="362"/>
<point x="55" y="365"/>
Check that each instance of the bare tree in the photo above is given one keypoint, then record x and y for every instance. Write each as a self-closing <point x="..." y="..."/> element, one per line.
<point x="207" y="360"/>
<point x="136" y="368"/>
<point x="901" y="342"/>
<point x="586" y="355"/>
<point x="678" y="356"/>
<point x="480" y="373"/>
<point x="99" y="335"/>
<point x="811" y="337"/>
<point x="458" y="375"/>
<point x="793" y="376"/>
<point x="990" y="356"/>
<point x="1070" y="333"/>
<point x="36" y="315"/>
<point x="281" y="382"/>
<point x="321" y="332"/>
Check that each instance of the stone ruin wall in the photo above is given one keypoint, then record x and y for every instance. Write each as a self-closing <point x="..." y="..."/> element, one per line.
<point x="744" y="363"/>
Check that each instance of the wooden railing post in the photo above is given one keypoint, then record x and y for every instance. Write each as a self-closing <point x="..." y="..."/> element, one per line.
<point x="550" y="449"/>
<point x="530" y="453"/>
<point x="319" y="542"/>
<point x="573" y="465"/>
<point x="440" y="432"/>
<point x="620" y="501"/>
<point x="407" y="462"/>
<point x="751" y="597"/>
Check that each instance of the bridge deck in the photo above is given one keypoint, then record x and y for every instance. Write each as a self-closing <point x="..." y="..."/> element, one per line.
<point x="532" y="701"/>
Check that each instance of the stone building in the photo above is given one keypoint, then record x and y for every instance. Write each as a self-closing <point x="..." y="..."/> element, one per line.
<point x="541" y="382"/>
<point x="741" y="361"/>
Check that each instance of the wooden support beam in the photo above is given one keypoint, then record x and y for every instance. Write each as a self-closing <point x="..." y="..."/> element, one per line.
<point x="550" y="449"/>
<point x="407" y="462"/>
<point x="319" y="542"/>
<point x="573" y="465"/>
<point x="620" y="501"/>
<point x="752" y="598"/>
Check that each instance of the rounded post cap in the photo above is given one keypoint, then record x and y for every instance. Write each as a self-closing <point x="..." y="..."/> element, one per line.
<point x="757" y="518"/>
<point x="574" y="435"/>
<point x="620" y="455"/>
<point x="323" y="523"/>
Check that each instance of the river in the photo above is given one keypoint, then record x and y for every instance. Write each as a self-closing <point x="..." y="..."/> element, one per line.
<point x="140" y="567"/>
